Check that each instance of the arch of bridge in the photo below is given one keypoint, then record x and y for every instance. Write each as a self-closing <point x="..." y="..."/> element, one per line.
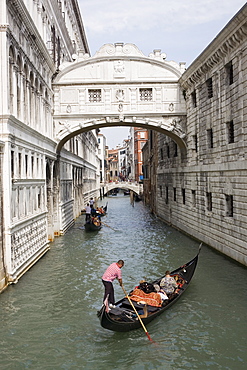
<point x="119" y="86"/>
<point x="136" y="188"/>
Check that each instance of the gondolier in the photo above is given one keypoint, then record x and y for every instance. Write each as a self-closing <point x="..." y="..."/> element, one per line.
<point x="111" y="273"/>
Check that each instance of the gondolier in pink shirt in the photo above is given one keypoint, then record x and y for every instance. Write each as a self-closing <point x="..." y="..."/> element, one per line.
<point x="111" y="273"/>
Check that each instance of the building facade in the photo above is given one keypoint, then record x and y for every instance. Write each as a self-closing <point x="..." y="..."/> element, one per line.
<point x="205" y="195"/>
<point x="140" y="139"/>
<point x="41" y="192"/>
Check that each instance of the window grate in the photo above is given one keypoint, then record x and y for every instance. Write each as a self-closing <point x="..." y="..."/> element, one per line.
<point x="209" y="84"/>
<point x="95" y="95"/>
<point x="146" y="94"/>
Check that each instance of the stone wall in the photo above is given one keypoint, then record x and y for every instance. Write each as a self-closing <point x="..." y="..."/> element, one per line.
<point x="206" y="196"/>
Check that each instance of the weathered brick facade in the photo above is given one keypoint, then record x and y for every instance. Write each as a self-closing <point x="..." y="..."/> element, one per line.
<point x="205" y="195"/>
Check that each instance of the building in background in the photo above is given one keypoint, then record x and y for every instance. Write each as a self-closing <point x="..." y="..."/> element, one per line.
<point x="112" y="165"/>
<point x="122" y="161"/>
<point x="140" y="139"/>
<point x="102" y="152"/>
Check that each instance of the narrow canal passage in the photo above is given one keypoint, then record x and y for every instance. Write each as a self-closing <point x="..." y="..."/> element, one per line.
<point x="48" y="320"/>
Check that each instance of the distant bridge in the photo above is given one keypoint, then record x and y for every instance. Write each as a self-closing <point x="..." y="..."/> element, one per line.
<point x="125" y="185"/>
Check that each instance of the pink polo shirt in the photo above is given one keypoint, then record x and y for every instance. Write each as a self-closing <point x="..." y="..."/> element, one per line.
<point x="112" y="272"/>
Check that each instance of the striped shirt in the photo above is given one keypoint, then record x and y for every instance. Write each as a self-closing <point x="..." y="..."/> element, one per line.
<point x="112" y="272"/>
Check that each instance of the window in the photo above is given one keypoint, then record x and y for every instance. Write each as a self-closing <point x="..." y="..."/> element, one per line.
<point x="160" y="191"/>
<point x="210" y="138"/>
<point x="229" y="73"/>
<point x="175" y="149"/>
<point x="19" y="160"/>
<point x="193" y="98"/>
<point x="161" y="154"/>
<point x="146" y="94"/>
<point x="26" y="164"/>
<point x="168" y="151"/>
<point x="183" y="195"/>
<point x="167" y="198"/>
<point x="12" y="163"/>
<point x="209" y="201"/>
<point x="94" y="96"/>
<point x="230" y="131"/>
<point x="229" y="205"/>
<point x="193" y="195"/>
<point x="174" y="194"/>
<point x="195" y="143"/>
<point x="209" y="84"/>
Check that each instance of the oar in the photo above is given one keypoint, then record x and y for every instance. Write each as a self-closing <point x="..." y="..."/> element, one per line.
<point x="137" y="314"/>
<point x="108" y="226"/>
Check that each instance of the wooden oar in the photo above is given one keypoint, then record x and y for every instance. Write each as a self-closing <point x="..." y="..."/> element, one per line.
<point x="108" y="226"/>
<point x="137" y="314"/>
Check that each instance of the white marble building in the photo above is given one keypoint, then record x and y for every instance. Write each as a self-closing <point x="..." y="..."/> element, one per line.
<point x="40" y="192"/>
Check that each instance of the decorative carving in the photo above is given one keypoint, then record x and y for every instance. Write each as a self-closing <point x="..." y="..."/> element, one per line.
<point x="120" y="95"/>
<point x="119" y="66"/>
<point x="171" y="107"/>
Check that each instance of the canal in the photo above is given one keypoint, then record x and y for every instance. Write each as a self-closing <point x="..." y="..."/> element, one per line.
<point x="48" y="320"/>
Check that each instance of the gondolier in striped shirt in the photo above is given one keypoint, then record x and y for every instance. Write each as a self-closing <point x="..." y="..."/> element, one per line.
<point x="111" y="273"/>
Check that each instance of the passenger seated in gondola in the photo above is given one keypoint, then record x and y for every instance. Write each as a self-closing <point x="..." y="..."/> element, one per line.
<point x="96" y="221"/>
<point x="101" y="209"/>
<point x="146" y="287"/>
<point x="169" y="284"/>
<point x="162" y="293"/>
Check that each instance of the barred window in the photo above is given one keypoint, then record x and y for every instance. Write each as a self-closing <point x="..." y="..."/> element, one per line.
<point x="195" y="140"/>
<point x="230" y="130"/>
<point x="209" y="204"/>
<point x="167" y="195"/>
<point x="229" y="73"/>
<point x="175" y="154"/>
<point x="174" y="194"/>
<point x="146" y="94"/>
<point x="209" y="84"/>
<point x="193" y="97"/>
<point x="210" y="138"/>
<point x="183" y="195"/>
<point x="94" y="95"/>
<point x="193" y="195"/>
<point x="229" y="205"/>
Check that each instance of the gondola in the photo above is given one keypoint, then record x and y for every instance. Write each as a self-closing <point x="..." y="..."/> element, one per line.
<point x="122" y="318"/>
<point x="97" y="213"/>
<point x="91" y="226"/>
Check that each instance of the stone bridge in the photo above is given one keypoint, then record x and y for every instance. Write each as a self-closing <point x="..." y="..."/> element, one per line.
<point x="119" y="86"/>
<point x="134" y="186"/>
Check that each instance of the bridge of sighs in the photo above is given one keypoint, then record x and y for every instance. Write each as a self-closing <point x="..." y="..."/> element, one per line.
<point x="119" y="86"/>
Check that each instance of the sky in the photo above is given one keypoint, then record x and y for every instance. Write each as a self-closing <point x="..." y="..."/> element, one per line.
<point x="180" y="28"/>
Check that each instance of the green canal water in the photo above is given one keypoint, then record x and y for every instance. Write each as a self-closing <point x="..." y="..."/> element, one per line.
<point x="48" y="320"/>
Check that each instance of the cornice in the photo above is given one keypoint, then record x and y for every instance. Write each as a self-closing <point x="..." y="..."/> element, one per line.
<point x="29" y="24"/>
<point x="231" y="37"/>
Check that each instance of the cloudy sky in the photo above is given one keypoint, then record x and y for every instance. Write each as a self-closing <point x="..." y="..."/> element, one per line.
<point x="180" y="28"/>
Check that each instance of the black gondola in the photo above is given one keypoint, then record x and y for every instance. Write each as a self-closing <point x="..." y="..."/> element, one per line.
<point x="90" y="225"/>
<point x="123" y="318"/>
